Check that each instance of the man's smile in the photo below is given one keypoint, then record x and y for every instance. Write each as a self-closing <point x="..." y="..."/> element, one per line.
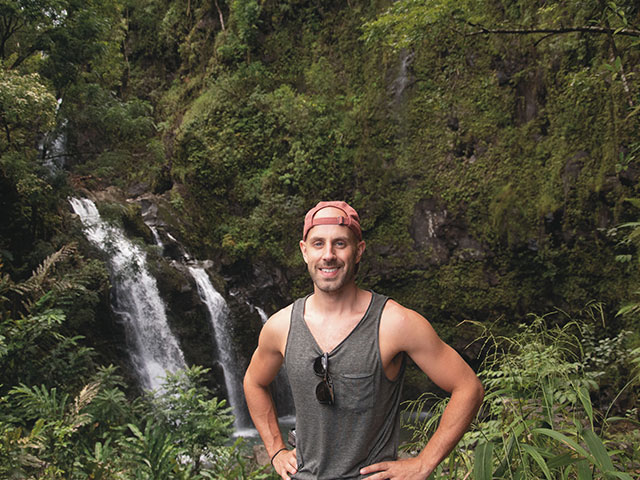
<point x="328" y="270"/>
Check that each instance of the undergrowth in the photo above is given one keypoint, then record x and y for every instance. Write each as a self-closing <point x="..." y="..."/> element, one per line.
<point x="538" y="419"/>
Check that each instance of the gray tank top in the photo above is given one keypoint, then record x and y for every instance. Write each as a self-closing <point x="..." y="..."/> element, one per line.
<point x="362" y="426"/>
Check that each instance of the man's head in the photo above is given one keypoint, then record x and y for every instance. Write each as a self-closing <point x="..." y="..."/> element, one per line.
<point x="346" y="216"/>
<point x="332" y="245"/>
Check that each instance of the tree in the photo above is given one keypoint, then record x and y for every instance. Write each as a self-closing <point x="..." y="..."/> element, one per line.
<point x="27" y="110"/>
<point x="26" y="26"/>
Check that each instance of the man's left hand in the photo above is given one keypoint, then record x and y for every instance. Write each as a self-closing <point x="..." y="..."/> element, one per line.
<point x="405" y="469"/>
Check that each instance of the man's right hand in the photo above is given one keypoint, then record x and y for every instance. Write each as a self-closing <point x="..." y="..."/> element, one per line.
<point x="285" y="463"/>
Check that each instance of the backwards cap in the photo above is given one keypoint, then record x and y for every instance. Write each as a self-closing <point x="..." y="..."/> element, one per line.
<point x="350" y="219"/>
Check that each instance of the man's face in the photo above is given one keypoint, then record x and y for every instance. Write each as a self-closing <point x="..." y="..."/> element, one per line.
<point x="331" y="253"/>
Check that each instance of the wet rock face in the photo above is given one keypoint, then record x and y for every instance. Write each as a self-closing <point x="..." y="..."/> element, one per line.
<point x="186" y="314"/>
<point x="440" y="237"/>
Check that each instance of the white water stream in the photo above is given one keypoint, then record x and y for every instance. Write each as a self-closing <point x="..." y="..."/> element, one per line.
<point x="153" y="348"/>
<point x="220" y="321"/>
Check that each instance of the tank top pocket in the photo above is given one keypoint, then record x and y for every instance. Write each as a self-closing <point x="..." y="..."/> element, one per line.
<point x="355" y="391"/>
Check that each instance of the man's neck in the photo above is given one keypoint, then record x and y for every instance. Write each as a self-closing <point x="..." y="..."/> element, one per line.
<point x="343" y="301"/>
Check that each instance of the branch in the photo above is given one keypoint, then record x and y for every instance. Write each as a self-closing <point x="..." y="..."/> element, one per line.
<point x="219" y="14"/>
<point x="555" y="31"/>
<point x="9" y="27"/>
<point x="18" y="61"/>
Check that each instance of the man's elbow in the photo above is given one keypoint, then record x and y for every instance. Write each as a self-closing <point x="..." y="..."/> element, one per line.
<point x="247" y="382"/>
<point x="477" y="393"/>
<point x="251" y="383"/>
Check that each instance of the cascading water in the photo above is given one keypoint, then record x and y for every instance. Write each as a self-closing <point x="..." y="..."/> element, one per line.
<point x="402" y="80"/>
<point x="53" y="147"/>
<point x="233" y="374"/>
<point x="153" y="348"/>
<point x="156" y="236"/>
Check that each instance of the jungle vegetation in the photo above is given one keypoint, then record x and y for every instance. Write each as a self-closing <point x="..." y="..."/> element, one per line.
<point x="491" y="147"/>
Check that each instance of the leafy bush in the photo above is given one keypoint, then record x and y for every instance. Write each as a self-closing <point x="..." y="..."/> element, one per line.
<point x="538" y="420"/>
<point x="60" y="417"/>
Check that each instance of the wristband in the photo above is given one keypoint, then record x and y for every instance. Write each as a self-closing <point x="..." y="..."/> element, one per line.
<point x="274" y="455"/>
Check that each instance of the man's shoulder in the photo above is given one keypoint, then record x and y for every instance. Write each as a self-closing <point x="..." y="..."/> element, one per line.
<point x="276" y="329"/>
<point x="395" y="315"/>
<point x="281" y="316"/>
<point x="404" y="329"/>
<point x="393" y="310"/>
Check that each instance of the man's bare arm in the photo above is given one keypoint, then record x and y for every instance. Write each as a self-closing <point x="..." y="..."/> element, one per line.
<point x="410" y="332"/>
<point x="264" y="366"/>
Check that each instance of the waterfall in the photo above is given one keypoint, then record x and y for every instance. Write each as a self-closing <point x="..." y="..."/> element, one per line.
<point x="53" y="147"/>
<point x="156" y="236"/>
<point x="263" y="315"/>
<point x="402" y="79"/>
<point x="220" y="321"/>
<point x="153" y="348"/>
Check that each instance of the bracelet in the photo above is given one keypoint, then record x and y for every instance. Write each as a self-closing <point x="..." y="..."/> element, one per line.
<point x="274" y="455"/>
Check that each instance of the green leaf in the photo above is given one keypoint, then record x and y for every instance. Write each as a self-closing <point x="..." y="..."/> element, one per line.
<point x="585" y="399"/>
<point x="561" y="460"/>
<point x="510" y="448"/>
<point x="484" y="461"/>
<point x="622" y="475"/>
<point x="599" y="451"/>
<point x="566" y="440"/>
<point x="618" y="64"/>
<point x="533" y="453"/>
<point x="547" y="407"/>
<point x="584" y="470"/>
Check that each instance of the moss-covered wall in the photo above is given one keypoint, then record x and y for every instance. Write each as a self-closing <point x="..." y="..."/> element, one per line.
<point x="515" y="141"/>
<point x="488" y="167"/>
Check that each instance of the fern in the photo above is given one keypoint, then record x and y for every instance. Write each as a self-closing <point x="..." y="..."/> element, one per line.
<point x="40" y="402"/>
<point x="40" y="281"/>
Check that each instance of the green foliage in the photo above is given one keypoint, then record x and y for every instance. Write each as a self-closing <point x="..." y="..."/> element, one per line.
<point x="538" y="420"/>
<point x="274" y="146"/>
<point x="110" y="138"/>
<point x="239" y="41"/>
<point x="518" y="119"/>
<point x="27" y="26"/>
<point x="151" y="453"/>
<point x="630" y="233"/>
<point x="27" y="111"/>
<point x="407" y="22"/>
<point x="200" y="423"/>
<point x="180" y="432"/>
<point x="37" y="347"/>
<point x="56" y="427"/>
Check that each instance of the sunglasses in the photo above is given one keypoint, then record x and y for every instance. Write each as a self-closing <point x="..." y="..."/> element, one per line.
<point x="324" y="390"/>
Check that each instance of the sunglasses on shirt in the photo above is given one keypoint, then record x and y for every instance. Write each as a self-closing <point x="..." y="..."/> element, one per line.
<point x="324" y="390"/>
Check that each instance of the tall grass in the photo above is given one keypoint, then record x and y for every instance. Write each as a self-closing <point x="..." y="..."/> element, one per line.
<point x="538" y="419"/>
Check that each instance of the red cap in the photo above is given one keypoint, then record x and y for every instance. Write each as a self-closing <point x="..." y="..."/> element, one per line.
<point x="350" y="220"/>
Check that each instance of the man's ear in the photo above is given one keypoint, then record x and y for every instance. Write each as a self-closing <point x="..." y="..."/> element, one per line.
<point x="361" y="247"/>
<point x="303" y="249"/>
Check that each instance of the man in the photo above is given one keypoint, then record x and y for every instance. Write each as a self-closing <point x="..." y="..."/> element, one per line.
<point x="345" y="350"/>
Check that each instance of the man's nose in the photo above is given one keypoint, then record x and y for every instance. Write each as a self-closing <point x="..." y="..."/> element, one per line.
<point x="328" y="252"/>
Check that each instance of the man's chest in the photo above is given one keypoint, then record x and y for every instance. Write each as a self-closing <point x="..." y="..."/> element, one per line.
<point x="329" y="333"/>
